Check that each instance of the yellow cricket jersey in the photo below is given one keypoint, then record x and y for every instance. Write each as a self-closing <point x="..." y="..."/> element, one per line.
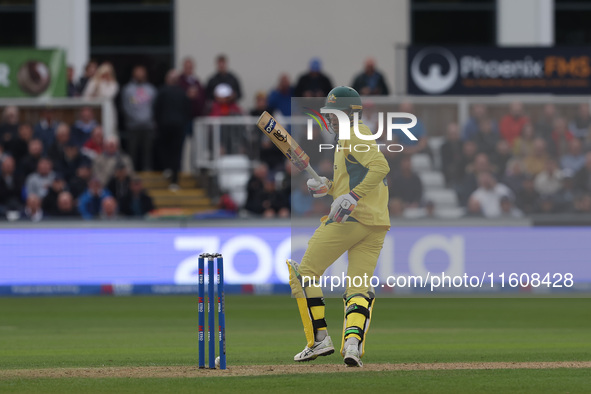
<point x="363" y="171"/>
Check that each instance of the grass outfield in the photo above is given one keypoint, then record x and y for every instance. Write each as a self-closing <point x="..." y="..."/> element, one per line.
<point x="161" y="331"/>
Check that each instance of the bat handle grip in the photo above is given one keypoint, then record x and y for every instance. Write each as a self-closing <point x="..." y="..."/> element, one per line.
<point x="313" y="174"/>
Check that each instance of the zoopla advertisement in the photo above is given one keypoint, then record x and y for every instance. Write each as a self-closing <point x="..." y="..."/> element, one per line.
<point x="414" y="259"/>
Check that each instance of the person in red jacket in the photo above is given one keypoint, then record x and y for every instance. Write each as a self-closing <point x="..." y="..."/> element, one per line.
<point x="512" y="124"/>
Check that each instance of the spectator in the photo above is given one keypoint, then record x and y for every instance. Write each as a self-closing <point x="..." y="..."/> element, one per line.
<point x="50" y="201"/>
<point x="549" y="181"/>
<point x="508" y="209"/>
<point x="574" y="158"/>
<point x="65" y="206"/>
<point x="70" y="161"/>
<point x="511" y="125"/>
<point x="396" y="207"/>
<point x="514" y="175"/>
<point x="195" y="91"/>
<point x="93" y="147"/>
<point x="451" y="156"/>
<point x="90" y="202"/>
<point x="223" y="76"/>
<point x="103" y="85"/>
<point x="370" y="82"/>
<point x="89" y="71"/>
<point x="119" y="183"/>
<point x="45" y="129"/>
<point x="260" y="104"/>
<point x="527" y="196"/>
<point x="232" y="136"/>
<point x="10" y="186"/>
<point x="301" y="201"/>
<point x="171" y="112"/>
<point x="29" y="163"/>
<point x="581" y="123"/>
<point x="546" y="205"/>
<point x="535" y="162"/>
<point x="104" y="165"/>
<point x="71" y="89"/>
<point x="479" y="113"/>
<point x="62" y="138"/>
<point x="136" y="202"/>
<point x="561" y="136"/>
<point x="411" y="147"/>
<point x="565" y="198"/>
<point x="137" y="103"/>
<point x="109" y="209"/>
<point x="469" y="153"/>
<point x="33" y="210"/>
<point x="486" y="139"/>
<point x="38" y="182"/>
<point x="545" y="124"/>
<point x="487" y="198"/>
<point x="259" y="198"/>
<point x="501" y="157"/>
<point x="9" y="127"/>
<point x="406" y="185"/>
<point x="20" y="145"/>
<point x="583" y="176"/>
<point x="583" y="204"/>
<point x="84" y="126"/>
<point x="480" y="165"/>
<point x="280" y="98"/>
<point x="79" y="183"/>
<point x="524" y="144"/>
<point x="314" y="83"/>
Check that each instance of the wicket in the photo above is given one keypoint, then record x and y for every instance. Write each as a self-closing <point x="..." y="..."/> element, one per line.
<point x="219" y="262"/>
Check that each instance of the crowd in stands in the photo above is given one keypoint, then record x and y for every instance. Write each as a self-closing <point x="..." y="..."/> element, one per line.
<point x="511" y="165"/>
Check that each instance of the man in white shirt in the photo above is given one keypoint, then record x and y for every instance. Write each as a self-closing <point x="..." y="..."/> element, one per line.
<point x="488" y="196"/>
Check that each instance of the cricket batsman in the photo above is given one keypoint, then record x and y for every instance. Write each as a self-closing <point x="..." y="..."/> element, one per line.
<point x="357" y="223"/>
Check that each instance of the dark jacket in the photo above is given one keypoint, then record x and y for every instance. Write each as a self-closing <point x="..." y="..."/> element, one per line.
<point x="172" y="108"/>
<point x="227" y="78"/>
<point x="140" y="205"/>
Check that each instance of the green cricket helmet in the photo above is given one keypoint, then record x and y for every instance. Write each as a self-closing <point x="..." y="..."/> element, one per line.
<point x="346" y="99"/>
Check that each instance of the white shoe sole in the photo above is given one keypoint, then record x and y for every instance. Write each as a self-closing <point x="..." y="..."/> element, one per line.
<point x="352" y="361"/>
<point x="314" y="356"/>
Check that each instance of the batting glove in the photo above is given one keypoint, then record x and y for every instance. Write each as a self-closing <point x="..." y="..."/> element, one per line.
<point x="342" y="206"/>
<point x="319" y="189"/>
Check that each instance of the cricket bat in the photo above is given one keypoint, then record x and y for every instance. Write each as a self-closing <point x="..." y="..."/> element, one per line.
<point x="290" y="148"/>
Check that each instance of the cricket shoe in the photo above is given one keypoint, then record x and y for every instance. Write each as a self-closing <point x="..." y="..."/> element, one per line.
<point x="352" y="358"/>
<point x="322" y="348"/>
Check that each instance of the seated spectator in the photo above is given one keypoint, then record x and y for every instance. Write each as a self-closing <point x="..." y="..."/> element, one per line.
<point x="259" y="200"/>
<point x="119" y="183"/>
<point x="28" y="164"/>
<point x="90" y="202"/>
<point x="10" y="186"/>
<point x="20" y="145"/>
<point x="469" y="153"/>
<point x="9" y="127"/>
<point x="79" y="183"/>
<point x="406" y="185"/>
<point x="583" y="176"/>
<point x="549" y="181"/>
<point x="501" y="157"/>
<point x="561" y="136"/>
<point x="223" y="76"/>
<point x="396" y="207"/>
<point x="451" y="153"/>
<point x="535" y="162"/>
<point x="573" y="159"/>
<point x="486" y="139"/>
<point x="583" y="204"/>
<point x="104" y="165"/>
<point x="279" y="99"/>
<point x="70" y="161"/>
<point x="545" y="124"/>
<point x="527" y="196"/>
<point x="94" y="145"/>
<point x="410" y="146"/>
<point x="546" y="205"/>
<point x="33" y="210"/>
<point x="511" y="125"/>
<point x="50" y="201"/>
<point x="65" y="206"/>
<point x="508" y="210"/>
<point x="62" y="138"/>
<point x="302" y="202"/>
<point x="469" y="184"/>
<point x="524" y="144"/>
<point x="45" y="129"/>
<point x="260" y="104"/>
<point x="479" y="113"/>
<point x="313" y="83"/>
<point x="83" y="126"/>
<point x="487" y="198"/>
<point x="109" y="209"/>
<point x="38" y="182"/>
<point x="370" y="82"/>
<point x="565" y="198"/>
<point x="514" y="175"/>
<point x="136" y="202"/>
<point x="580" y="125"/>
